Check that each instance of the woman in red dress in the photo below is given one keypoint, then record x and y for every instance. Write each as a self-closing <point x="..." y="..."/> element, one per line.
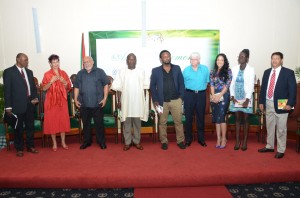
<point x="56" y="83"/>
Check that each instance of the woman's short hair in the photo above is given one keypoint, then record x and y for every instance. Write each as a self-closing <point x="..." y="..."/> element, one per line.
<point x="53" y="57"/>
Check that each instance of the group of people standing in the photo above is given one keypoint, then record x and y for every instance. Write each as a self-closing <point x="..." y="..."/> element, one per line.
<point x="171" y="89"/>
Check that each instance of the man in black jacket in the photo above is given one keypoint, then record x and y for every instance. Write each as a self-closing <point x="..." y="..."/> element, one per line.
<point x="167" y="89"/>
<point x="20" y="97"/>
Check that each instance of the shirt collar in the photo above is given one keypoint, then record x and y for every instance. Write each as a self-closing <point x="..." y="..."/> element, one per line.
<point x="199" y="66"/>
<point x="20" y="69"/>
<point x="277" y="70"/>
<point x="93" y="69"/>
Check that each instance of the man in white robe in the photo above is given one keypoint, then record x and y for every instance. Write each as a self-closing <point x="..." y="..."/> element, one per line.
<point x="130" y="84"/>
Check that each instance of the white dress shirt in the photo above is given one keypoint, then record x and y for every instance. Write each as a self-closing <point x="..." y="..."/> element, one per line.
<point x="26" y="78"/>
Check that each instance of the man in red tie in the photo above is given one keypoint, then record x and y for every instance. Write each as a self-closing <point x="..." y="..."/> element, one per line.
<point x="20" y="96"/>
<point x="278" y="85"/>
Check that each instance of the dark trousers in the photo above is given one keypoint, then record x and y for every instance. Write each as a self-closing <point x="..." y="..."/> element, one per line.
<point x="26" y="118"/>
<point x="87" y="114"/>
<point x="194" y="102"/>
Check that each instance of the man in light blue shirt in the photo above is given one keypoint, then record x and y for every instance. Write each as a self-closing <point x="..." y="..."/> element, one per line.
<point x="196" y="78"/>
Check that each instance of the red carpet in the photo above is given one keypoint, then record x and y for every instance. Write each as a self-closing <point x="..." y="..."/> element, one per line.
<point x="190" y="192"/>
<point x="151" y="168"/>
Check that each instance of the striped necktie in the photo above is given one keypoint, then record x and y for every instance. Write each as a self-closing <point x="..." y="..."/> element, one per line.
<point x="23" y="75"/>
<point x="272" y="85"/>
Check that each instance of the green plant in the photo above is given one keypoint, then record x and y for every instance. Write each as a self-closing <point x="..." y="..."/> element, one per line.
<point x="297" y="72"/>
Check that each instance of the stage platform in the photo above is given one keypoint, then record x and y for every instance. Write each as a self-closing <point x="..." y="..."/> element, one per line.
<point x="195" y="166"/>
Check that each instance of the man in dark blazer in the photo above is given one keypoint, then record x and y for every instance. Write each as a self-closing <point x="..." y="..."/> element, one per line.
<point x="278" y="83"/>
<point x="20" y="97"/>
<point x="167" y="89"/>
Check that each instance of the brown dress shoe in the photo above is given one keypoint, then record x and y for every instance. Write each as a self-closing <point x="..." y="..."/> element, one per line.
<point x="32" y="150"/>
<point x="126" y="147"/>
<point x="19" y="154"/>
<point x="139" y="146"/>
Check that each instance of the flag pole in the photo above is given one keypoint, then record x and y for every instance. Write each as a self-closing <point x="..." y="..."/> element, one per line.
<point x="82" y="51"/>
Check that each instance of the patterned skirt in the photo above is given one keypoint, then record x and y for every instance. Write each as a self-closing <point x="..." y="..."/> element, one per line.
<point x="219" y="109"/>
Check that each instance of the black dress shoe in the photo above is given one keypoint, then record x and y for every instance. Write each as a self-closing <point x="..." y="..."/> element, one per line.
<point x="181" y="145"/>
<point x="32" y="150"/>
<point x="244" y="148"/>
<point x="237" y="147"/>
<point x="279" y="155"/>
<point x="84" y="146"/>
<point x="19" y="154"/>
<point x="187" y="144"/>
<point x="202" y="143"/>
<point x="164" y="146"/>
<point x="103" y="146"/>
<point x="264" y="150"/>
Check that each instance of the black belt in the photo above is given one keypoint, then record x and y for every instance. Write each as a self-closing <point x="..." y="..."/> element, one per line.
<point x="195" y="91"/>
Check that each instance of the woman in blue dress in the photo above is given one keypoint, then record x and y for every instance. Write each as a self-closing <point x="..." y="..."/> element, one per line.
<point x="220" y="79"/>
<point x="241" y="90"/>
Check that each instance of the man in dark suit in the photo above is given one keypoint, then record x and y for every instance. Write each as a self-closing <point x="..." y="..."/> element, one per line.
<point x="167" y="89"/>
<point x="20" y="96"/>
<point x="278" y="83"/>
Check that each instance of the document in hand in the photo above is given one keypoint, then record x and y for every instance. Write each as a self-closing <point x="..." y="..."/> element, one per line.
<point x="11" y="120"/>
<point x="282" y="103"/>
<point x="221" y="99"/>
<point x="240" y="103"/>
<point x="159" y="109"/>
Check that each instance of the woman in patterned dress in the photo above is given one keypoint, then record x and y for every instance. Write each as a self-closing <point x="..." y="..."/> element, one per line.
<point x="220" y="79"/>
<point x="241" y="90"/>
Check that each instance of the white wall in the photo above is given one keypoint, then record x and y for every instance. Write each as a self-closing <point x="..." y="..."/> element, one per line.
<point x="263" y="26"/>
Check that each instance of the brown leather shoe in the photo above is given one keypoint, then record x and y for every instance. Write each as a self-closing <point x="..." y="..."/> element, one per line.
<point x="19" y="154"/>
<point x="126" y="147"/>
<point x="139" y="146"/>
<point x="32" y="150"/>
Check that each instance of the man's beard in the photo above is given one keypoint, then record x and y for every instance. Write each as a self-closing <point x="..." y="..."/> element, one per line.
<point x="166" y="62"/>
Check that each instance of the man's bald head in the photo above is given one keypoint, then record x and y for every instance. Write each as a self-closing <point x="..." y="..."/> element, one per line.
<point x="22" y="60"/>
